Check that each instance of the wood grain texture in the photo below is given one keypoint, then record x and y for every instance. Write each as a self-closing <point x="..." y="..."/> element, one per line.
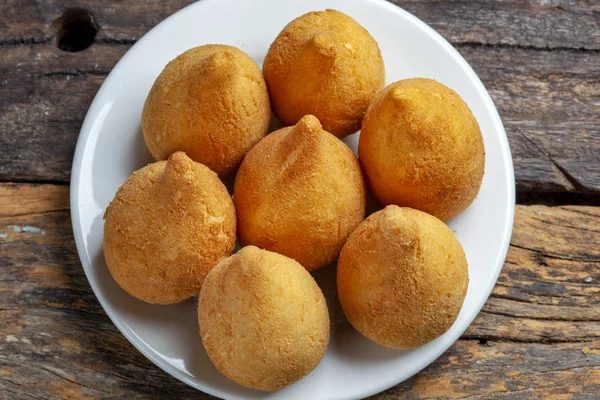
<point x="44" y="96"/>
<point x="537" y="336"/>
<point x="529" y="23"/>
<point x="549" y="102"/>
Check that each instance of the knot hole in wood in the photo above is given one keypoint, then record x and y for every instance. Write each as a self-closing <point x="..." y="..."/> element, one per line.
<point x="76" y="30"/>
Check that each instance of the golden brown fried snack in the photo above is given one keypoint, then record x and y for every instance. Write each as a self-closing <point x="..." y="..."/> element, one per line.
<point x="263" y="319"/>
<point x="421" y="147"/>
<point x="402" y="277"/>
<point x="168" y="225"/>
<point x="300" y="192"/>
<point x="326" y="64"/>
<point x="210" y="102"/>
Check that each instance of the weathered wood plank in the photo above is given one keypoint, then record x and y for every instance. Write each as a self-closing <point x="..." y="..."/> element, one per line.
<point x="553" y="264"/>
<point x="549" y="101"/>
<point x="44" y="96"/>
<point x="532" y="23"/>
<point x="498" y="370"/>
<point x="537" y="336"/>
<point x="525" y="23"/>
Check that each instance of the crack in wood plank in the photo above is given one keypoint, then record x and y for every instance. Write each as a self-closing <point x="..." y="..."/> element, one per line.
<point x="60" y="210"/>
<point x="560" y="318"/>
<point x="458" y="44"/>
<point x="74" y="74"/>
<point x="502" y="393"/>
<point x="578" y="211"/>
<point x="557" y="256"/>
<point x="502" y="45"/>
<point x="25" y="41"/>
<point x="74" y="381"/>
<point x="31" y="396"/>
<point x="118" y="42"/>
<point x="554" y="223"/>
<point x="504" y="339"/>
<point x="568" y="181"/>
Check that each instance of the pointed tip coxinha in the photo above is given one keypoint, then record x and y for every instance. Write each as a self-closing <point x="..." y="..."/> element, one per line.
<point x="178" y="165"/>
<point x="307" y="125"/>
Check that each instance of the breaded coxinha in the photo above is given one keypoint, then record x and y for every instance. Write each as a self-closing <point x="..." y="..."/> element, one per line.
<point x="210" y="102"/>
<point x="402" y="278"/>
<point x="300" y="192"/>
<point x="326" y="64"/>
<point x="168" y="225"/>
<point x="263" y="319"/>
<point x="421" y="147"/>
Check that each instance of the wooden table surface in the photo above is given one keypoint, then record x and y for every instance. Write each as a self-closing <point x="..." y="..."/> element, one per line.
<point x="538" y="336"/>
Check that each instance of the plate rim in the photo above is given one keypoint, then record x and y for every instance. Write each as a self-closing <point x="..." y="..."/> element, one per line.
<point x="85" y="132"/>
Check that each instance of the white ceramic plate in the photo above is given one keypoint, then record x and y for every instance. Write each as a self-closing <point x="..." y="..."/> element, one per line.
<point x="111" y="147"/>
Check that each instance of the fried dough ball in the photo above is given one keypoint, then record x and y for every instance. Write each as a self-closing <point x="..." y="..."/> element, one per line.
<point x="300" y="192"/>
<point x="402" y="277"/>
<point x="263" y="319"/>
<point x="326" y="64"/>
<point x="210" y="102"/>
<point x="421" y="147"/>
<point x="168" y="225"/>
